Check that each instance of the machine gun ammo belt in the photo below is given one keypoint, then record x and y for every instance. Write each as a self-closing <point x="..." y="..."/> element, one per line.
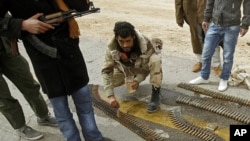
<point x="125" y="119"/>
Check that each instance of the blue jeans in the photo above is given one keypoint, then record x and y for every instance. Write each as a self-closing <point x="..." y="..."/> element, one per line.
<point x="85" y="113"/>
<point x="214" y="35"/>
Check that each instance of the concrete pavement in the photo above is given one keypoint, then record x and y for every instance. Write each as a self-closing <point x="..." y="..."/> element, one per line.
<point x="175" y="69"/>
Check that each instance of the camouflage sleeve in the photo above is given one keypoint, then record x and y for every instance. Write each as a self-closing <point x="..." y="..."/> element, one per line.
<point x="107" y="73"/>
<point x="140" y="77"/>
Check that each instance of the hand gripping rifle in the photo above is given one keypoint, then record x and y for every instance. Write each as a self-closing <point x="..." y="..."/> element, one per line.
<point x="55" y="19"/>
<point x="59" y="17"/>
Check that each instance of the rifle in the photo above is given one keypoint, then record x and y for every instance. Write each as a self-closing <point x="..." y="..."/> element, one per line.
<point x="55" y="19"/>
<point x="59" y="17"/>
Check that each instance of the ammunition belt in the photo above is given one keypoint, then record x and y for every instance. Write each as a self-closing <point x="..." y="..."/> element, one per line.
<point x="127" y="120"/>
<point x="185" y="126"/>
<point x="216" y="108"/>
<point x="214" y="94"/>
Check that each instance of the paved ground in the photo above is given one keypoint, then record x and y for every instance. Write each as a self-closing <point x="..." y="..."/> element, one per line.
<point x="175" y="69"/>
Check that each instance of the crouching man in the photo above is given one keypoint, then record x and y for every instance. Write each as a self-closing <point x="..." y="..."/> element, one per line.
<point x="129" y="59"/>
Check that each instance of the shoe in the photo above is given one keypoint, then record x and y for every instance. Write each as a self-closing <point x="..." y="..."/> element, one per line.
<point x="28" y="133"/>
<point x="198" y="80"/>
<point x="106" y="139"/>
<point x="197" y="67"/>
<point x="223" y="85"/>
<point x="217" y="71"/>
<point x="47" y="121"/>
<point x="154" y="103"/>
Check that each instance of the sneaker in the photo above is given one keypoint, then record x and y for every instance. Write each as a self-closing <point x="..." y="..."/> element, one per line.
<point x="217" y="71"/>
<point x="197" y="67"/>
<point x="47" y="121"/>
<point x="28" y="133"/>
<point x="223" y="85"/>
<point x="198" y="80"/>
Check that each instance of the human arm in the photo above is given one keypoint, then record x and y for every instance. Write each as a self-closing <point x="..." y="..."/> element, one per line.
<point x="12" y="27"/>
<point x="205" y="26"/>
<point x="107" y="77"/>
<point x="208" y="11"/>
<point x="35" y="26"/>
<point x="179" y="14"/>
<point x="107" y="73"/>
<point x="246" y="18"/>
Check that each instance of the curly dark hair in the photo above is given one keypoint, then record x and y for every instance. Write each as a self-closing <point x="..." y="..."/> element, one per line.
<point x="124" y="29"/>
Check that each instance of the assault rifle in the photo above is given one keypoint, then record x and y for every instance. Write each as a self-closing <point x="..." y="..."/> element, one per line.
<point x="59" y="17"/>
<point x="55" y="19"/>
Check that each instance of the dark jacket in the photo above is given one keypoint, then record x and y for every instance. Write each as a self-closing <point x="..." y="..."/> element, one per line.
<point x="57" y="76"/>
<point x="228" y="12"/>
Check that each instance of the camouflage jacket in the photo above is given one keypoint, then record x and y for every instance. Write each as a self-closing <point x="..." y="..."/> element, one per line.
<point x="139" y="66"/>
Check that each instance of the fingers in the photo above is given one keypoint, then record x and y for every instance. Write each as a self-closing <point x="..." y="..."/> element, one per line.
<point x="45" y="26"/>
<point x="205" y="26"/>
<point x="35" y="26"/>
<point x="135" y="84"/>
<point x="36" y="16"/>
<point x="243" y="31"/>
<point x="113" y="102"/>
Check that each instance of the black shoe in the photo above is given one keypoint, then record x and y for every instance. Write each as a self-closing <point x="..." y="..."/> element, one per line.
<point x="29" y="133"/>
<point x="153" y="107"/>
<point x="47" y="121"/>
<point x="154" y="103"/>
<point x="107" y="139"/>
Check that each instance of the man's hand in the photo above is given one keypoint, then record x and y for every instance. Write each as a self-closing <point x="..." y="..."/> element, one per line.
<point x="243" y="31"/>
<point x="135" y="84"/>
<point x="35" y="26"/>
<point x="205" y="26"/>
<point x="113" y="102"/>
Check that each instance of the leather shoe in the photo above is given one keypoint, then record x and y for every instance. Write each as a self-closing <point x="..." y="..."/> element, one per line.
<point x="217" y="71"/>
<point x="197" y="67"/>
<point x="198" y="80"/>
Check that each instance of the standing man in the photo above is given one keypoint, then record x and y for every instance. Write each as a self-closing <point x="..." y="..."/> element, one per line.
<point x="226" y="25"/>
<point x="62" y="74"/>
<point x="132" y="55"/>
<point x="192" y="13"/>
<point x="16" y="68"/>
